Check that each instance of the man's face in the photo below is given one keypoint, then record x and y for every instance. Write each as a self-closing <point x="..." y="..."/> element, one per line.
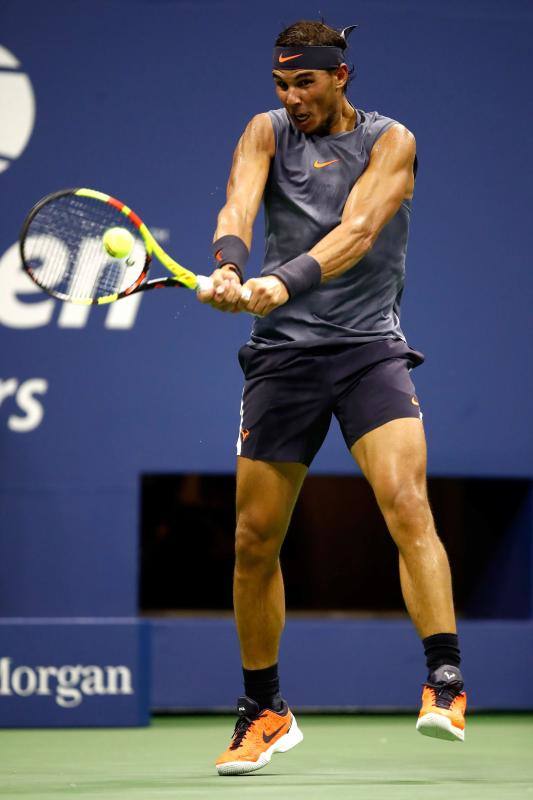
<point x="310" y="96"/>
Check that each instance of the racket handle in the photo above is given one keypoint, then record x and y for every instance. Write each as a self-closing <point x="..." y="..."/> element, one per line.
<point x="203" y="283"/>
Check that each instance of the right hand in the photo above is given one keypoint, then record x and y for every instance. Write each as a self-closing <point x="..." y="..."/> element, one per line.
<point x="226" y="292"/>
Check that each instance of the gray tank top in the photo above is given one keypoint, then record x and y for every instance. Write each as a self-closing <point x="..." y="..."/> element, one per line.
<point x="303" y="202"/>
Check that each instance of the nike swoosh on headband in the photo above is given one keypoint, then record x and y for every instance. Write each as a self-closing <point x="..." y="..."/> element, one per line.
<point x="282" y="58"/>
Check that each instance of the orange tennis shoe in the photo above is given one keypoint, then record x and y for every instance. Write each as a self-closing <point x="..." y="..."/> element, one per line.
<point x="257" y="736"/>
<point x="443" y="705"/>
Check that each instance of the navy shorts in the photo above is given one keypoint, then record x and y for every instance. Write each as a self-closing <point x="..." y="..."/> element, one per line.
<point x="290" y="395"/>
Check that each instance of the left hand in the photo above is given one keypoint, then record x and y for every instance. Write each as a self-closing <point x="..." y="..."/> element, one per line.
<point x="225" y="292"/>
<point x="266" y="294"/>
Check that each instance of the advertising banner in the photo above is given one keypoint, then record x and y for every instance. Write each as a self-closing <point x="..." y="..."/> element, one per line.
<point x="73" y="673"/>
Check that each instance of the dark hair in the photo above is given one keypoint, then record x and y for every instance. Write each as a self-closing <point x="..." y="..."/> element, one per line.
<point x="312" y="33"/>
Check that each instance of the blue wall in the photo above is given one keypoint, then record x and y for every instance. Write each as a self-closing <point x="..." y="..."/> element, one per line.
<point x="341" y="663"/>
<point x="74" y="672"/>
<point x="146" y="100"/>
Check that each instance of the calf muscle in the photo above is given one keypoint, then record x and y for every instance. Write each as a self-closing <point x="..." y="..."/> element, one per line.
<point x="266" y="494"/>
<point x="393" y="459"/>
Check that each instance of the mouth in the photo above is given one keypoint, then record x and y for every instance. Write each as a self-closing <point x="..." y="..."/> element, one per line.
<point x="301" y="119"/>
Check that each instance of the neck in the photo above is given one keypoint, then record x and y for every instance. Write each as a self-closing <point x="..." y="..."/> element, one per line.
<point x="347" y="118"/>
<point x="344" y="119"/>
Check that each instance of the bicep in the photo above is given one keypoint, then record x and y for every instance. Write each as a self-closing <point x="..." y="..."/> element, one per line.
<point x="386" y="182"/>
<point x="250" y="167"/>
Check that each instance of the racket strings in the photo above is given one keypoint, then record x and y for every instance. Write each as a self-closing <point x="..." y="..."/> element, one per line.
<point x="63" y="248"/>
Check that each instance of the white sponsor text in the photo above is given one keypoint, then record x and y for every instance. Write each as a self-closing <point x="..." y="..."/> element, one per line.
<point x="24" y="393"/>
<point x="69" y="684"/>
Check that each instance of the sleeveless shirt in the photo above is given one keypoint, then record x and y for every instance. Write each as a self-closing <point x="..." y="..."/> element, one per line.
<point x="303" y="203"/>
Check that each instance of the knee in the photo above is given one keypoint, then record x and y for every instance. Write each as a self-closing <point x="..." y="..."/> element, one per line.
<point x="256" y="545"/>
<point x="406" y="509"/>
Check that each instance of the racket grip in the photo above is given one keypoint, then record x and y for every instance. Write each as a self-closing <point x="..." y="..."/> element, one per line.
<point x="203" y="283"/>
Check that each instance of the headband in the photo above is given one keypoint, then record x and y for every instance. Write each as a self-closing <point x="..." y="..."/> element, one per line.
<point x="311" y="56"/>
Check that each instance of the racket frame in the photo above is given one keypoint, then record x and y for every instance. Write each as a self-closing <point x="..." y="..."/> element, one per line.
<point x="180" y="275"/>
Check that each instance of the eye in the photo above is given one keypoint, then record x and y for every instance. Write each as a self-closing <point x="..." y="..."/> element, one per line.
<point x="281" y="85"/>
<point x="305" y="82"/>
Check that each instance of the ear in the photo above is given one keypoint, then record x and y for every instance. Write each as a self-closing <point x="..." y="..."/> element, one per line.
<point x="341" y="76"/>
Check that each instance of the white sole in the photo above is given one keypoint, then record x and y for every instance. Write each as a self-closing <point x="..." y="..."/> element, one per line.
<point x="439" y="727"/>
<point x="289" y="740"/>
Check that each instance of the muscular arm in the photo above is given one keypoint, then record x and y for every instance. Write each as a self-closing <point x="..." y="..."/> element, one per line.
<point x="248" y="176"/>
<point x="373" y="201"/>
<point x="249" y="172"/>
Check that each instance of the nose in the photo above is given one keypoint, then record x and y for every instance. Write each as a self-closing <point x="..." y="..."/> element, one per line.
<point x="292" y="99"/>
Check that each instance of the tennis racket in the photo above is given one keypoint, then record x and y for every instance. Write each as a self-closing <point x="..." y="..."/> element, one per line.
<point x="62" y="250"/>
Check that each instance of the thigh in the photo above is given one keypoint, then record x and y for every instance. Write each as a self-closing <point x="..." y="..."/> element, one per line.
<point x="382" y="393"/>
<point x="285" y="411"/>
<point x="393" y="459"/>
<point x="266" y="495"/>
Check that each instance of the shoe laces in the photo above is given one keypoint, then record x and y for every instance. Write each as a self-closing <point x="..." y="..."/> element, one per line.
<point x="445" y="693"/>
<point x="242" y="726"/>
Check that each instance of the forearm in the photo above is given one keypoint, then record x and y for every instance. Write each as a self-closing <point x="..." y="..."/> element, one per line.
<point x="233" y="221"/>
<point x="342" y="248"/>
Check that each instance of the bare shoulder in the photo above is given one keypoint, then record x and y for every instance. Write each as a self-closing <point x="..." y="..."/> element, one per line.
<point x="394" y="155"/>
<point x="259" y="134"/>
<point x="397" y="140"/>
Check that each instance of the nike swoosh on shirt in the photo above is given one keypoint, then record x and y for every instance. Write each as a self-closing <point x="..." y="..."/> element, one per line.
<point x="282" y="58"/>
<point x="269" y="738"/>
<point x="320" y="164"/>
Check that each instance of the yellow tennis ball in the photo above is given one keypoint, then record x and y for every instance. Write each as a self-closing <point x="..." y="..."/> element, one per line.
<point x="118" y="242"/>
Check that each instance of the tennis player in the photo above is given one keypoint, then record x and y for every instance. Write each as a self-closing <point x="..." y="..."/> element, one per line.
<point x="337" y="183"/>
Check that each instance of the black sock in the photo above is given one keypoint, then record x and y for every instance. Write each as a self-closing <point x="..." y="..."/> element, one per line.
<point x="262" y="685"/>
<point x="441" y="648"/>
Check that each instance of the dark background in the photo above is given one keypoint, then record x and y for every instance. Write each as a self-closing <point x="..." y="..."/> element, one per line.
<point x="338" y="555"/>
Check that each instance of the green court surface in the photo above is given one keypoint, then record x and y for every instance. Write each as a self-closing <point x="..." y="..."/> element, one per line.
<point x="340" y="757"/>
